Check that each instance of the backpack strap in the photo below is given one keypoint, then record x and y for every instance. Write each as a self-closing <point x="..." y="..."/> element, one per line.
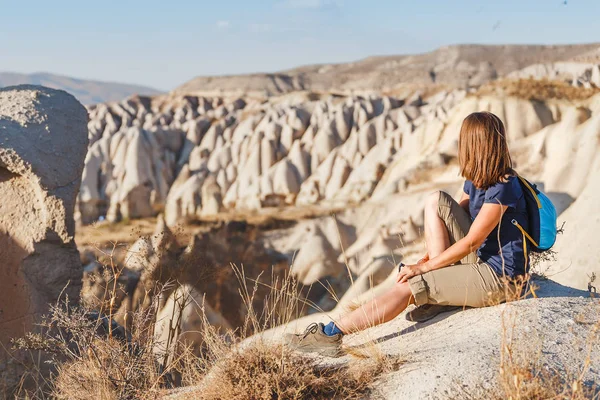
<point x="526" y="236"/>
<point x="528" y="186"/>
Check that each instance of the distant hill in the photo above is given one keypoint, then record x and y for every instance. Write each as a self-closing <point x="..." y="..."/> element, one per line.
<point x="86" y="91"/>
<point x="454" y="66"/>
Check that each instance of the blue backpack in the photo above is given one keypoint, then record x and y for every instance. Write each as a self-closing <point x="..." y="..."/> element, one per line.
<point x="541" y="217"/>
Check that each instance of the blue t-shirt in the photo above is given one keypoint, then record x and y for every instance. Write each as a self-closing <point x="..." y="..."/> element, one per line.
<point x="509" y="242"/>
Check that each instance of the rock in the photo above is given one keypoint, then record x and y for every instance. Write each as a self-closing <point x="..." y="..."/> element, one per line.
<point x="286" y="179"/>
<point x="301" y="160"/>
<point x="184" y="200"/>
<point x="465" y="346"/>
<point x="415" y="100"/>
<point x="339" y="174"/>
<point x="315" y="260"/>
<point x="43" y="144"/>
<point x="577" y="262"/>
<point x="211" y="196"/>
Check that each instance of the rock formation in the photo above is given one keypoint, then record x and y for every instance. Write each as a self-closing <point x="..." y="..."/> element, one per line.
<point x="451" y="66"/>
<point x="158" y="275"/>
<point x="578" y="74"/>
<point x="194" y="157"/>
<point x="43" y="142"/>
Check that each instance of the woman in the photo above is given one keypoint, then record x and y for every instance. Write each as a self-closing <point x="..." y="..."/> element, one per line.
<point x="471" y="245"/>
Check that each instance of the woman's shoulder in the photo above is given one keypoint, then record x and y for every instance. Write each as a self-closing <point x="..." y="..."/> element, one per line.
<point x="510" y="181"/>
<point x="468" y="187"/>
<point x="507" y="191"/>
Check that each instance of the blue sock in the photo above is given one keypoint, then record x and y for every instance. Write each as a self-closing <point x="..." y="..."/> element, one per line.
<point x="331" y="329"/>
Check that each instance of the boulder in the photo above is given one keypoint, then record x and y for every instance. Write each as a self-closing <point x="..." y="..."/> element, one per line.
<point x="316" y="259"/>
<point x="43" y="144"/>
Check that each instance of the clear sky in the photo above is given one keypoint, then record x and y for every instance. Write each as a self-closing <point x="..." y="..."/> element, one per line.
<point x="165" y="43"/>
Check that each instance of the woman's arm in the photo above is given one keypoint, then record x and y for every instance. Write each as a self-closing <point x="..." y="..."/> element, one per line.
<point x="484" y="224"/>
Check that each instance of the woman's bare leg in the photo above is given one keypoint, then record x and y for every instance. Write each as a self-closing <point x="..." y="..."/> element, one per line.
<point x="436" y="233"/>
<point x="381" y="309"/>
<point x="388" y="305"/>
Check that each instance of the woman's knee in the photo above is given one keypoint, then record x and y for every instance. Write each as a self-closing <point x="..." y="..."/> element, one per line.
<point x="433" y="200"/>
<point x="432" y="203"/>
<point x="438" y="200"/>
<point x="405" y="292"/>
<point x="401" y="289"/>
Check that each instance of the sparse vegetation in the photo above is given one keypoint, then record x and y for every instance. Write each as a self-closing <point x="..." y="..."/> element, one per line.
<point x="90" y="353"/>
<point x="275" y="372"/>
<point x="537" y="89"/>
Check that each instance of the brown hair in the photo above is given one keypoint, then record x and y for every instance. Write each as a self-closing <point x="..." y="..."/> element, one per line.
<point x="483" y="151"/>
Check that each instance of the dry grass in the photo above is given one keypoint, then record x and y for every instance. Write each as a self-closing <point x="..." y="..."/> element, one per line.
<point x="534" y="89"/>
<point x="127" y="231"/>
<point x="263" y="371"/>
<point x="523" y="376"/>
<point x="92" y="355"/>
<point x="253" y="367"/>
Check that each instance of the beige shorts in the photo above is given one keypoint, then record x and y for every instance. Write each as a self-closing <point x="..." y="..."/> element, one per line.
<point x="471" y="283"/>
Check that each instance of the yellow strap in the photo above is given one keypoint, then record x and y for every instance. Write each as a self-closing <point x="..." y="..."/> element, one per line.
<point x="525" y="251"/>
<point x="535" y="196"/>
<point x="530" y="287"/>
<point x="515" y="223"/>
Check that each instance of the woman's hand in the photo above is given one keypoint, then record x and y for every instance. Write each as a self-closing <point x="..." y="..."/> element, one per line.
<point x="424" y="259"/>
<point x="408" y="271"/>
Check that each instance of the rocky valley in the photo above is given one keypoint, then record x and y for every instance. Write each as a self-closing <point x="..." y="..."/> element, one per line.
<point x="318" y="174"/>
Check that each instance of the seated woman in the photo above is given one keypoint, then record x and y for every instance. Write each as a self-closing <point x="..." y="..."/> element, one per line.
<point x="471" y="245"/>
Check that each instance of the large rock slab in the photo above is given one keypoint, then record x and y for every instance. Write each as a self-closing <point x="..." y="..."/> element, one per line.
<point x="43" y="143"/>
<point x="461" y="350"/>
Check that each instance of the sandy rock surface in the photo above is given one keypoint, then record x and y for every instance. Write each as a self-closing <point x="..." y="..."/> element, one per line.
<point x="461" y="350"/>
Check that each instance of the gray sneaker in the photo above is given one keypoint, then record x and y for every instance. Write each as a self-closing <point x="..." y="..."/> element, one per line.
<point x="428" y="311"/>
<point x="315" y="340"/>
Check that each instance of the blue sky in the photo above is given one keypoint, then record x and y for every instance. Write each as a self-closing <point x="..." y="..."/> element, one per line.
<point x="165" y="43"/>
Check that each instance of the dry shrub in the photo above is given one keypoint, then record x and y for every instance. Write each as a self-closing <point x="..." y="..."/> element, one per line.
<point x="96" y="357"/>
<point x="107" y="372"/>
<point x="93" y="355"/>
<point x="244" y="367"/>
<point x="263" y="371"/>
